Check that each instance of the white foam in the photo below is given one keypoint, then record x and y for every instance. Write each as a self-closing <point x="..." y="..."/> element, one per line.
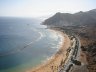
<point x="60" y="38"/>
<point x="40" y="37"/>
<point x="47" y="58"/>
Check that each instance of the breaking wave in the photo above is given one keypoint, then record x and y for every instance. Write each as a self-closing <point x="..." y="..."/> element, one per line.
<point x="16" y="50"/>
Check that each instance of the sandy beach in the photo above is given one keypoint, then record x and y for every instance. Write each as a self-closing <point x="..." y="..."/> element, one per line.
<point x="54" y="63"/>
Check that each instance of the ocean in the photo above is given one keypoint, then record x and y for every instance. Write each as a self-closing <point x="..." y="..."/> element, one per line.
<point x="25" y="43"/>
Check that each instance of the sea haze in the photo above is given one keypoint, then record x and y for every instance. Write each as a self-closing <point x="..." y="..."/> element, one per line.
<point x="24" y="43"/>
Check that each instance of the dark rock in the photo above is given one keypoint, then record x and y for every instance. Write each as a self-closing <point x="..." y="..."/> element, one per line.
<point x="76" y="62"/>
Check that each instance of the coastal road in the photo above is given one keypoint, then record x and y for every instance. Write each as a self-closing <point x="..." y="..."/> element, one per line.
<point x="73" y="55"/>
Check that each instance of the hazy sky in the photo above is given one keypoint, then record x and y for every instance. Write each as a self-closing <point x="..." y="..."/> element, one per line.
<point x="36" y="8"/>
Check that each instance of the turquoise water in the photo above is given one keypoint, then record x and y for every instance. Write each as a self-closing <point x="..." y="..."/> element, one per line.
<point x="24" y="44"/>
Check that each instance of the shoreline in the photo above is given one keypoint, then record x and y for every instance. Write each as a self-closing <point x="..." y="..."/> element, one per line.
<point x="54" y="62"/>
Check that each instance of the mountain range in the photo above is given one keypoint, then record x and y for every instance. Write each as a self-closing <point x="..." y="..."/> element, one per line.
<point x="68" y="19"/>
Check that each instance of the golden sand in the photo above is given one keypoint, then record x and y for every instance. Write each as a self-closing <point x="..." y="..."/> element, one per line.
<point x="53" y="64"/>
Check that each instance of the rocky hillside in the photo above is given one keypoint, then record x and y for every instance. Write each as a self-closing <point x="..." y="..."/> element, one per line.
<point x="67" y="19"/>
<point x="83" y="24"/>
